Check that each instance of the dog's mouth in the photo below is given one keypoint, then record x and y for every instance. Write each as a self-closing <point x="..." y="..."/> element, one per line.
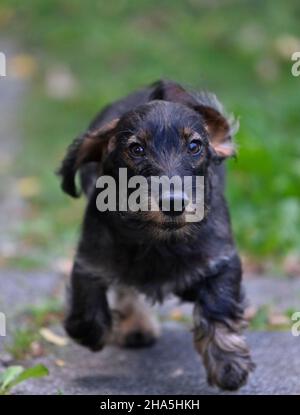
<point x="156" y="220"/>
<point x="172" y="224"/>
<point x="167" y="223"/>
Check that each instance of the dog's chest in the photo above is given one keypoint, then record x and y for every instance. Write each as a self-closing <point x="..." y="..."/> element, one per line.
<point x="156" y="270"/>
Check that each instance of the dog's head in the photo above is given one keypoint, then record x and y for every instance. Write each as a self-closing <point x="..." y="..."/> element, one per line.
<point x="176" y="134"/>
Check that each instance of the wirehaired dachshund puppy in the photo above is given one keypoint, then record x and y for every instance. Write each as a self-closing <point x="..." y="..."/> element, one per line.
<point x="163" y="129"/>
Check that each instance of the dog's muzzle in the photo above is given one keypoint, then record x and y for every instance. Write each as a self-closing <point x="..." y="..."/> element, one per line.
<point x="173" y="203"/>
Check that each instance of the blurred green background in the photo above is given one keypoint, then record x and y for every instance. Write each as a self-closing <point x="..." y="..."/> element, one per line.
<point x="80" y="55"/>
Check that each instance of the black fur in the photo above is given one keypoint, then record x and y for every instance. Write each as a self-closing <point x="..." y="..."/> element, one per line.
<point x="196" y="261"/>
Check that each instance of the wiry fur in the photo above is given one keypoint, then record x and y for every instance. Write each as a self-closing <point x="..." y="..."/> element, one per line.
<point x="143" y="252"/>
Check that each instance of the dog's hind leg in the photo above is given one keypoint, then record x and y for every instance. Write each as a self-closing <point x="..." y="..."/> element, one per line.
<point x="134" y="325"/>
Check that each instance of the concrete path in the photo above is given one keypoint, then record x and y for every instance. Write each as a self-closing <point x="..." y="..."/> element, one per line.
<point x="171" y="366"/>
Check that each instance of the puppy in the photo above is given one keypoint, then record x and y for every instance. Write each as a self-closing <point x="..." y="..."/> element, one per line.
<point x="161" y="130"/>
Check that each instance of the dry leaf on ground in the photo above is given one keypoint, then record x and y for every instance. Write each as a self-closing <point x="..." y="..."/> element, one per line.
<point x="53" y="338"/>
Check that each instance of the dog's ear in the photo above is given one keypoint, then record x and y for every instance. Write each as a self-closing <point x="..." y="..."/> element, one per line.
<point x="220" y="128"/>
<point x="90" y="146"/>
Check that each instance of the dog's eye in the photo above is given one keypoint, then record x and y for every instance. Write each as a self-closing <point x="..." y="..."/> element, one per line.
<point x="137" y="150"/>
<point x="195" y="147"/>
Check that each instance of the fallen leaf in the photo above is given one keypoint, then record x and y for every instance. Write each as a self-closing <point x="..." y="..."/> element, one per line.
<point x="51" y="337"/>
<point x="250" y="312"/>
<point x="22" y="66"/>
<point x="176" y="314"/>
<point x="176" y="373"/>
<point x="286" y="44"/>
<point x="29" y="186"/>
<point x="60" y="363"/>
<point x="276" y="319"/>
<point x="252" y="266"/>
<point x="36" y="349"/>
<point x="291" y="265"/>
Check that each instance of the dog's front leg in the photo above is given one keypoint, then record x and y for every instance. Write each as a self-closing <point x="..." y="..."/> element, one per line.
<point x="88" y="318"/>
<point x="218" y="325"/>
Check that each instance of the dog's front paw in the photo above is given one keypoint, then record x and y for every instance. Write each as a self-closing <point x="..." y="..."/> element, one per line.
<point x="93" y="334"/>
<point x="231" y="372"/>
<point x="226" y="357"/>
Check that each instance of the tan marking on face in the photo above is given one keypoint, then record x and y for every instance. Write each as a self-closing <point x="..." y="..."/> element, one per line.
<point x="187" y="132"/>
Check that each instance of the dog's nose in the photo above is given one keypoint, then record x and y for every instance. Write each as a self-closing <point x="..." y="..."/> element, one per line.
<point x="173" y="204"/>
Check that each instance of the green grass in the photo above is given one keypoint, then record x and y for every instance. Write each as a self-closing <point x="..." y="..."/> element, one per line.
<point x="45" y="314"/>
<point x="261" y="322"/>
<point x="34" y="318"/>
<point x="22" y="340"/>
<point x="113" y="47"/>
